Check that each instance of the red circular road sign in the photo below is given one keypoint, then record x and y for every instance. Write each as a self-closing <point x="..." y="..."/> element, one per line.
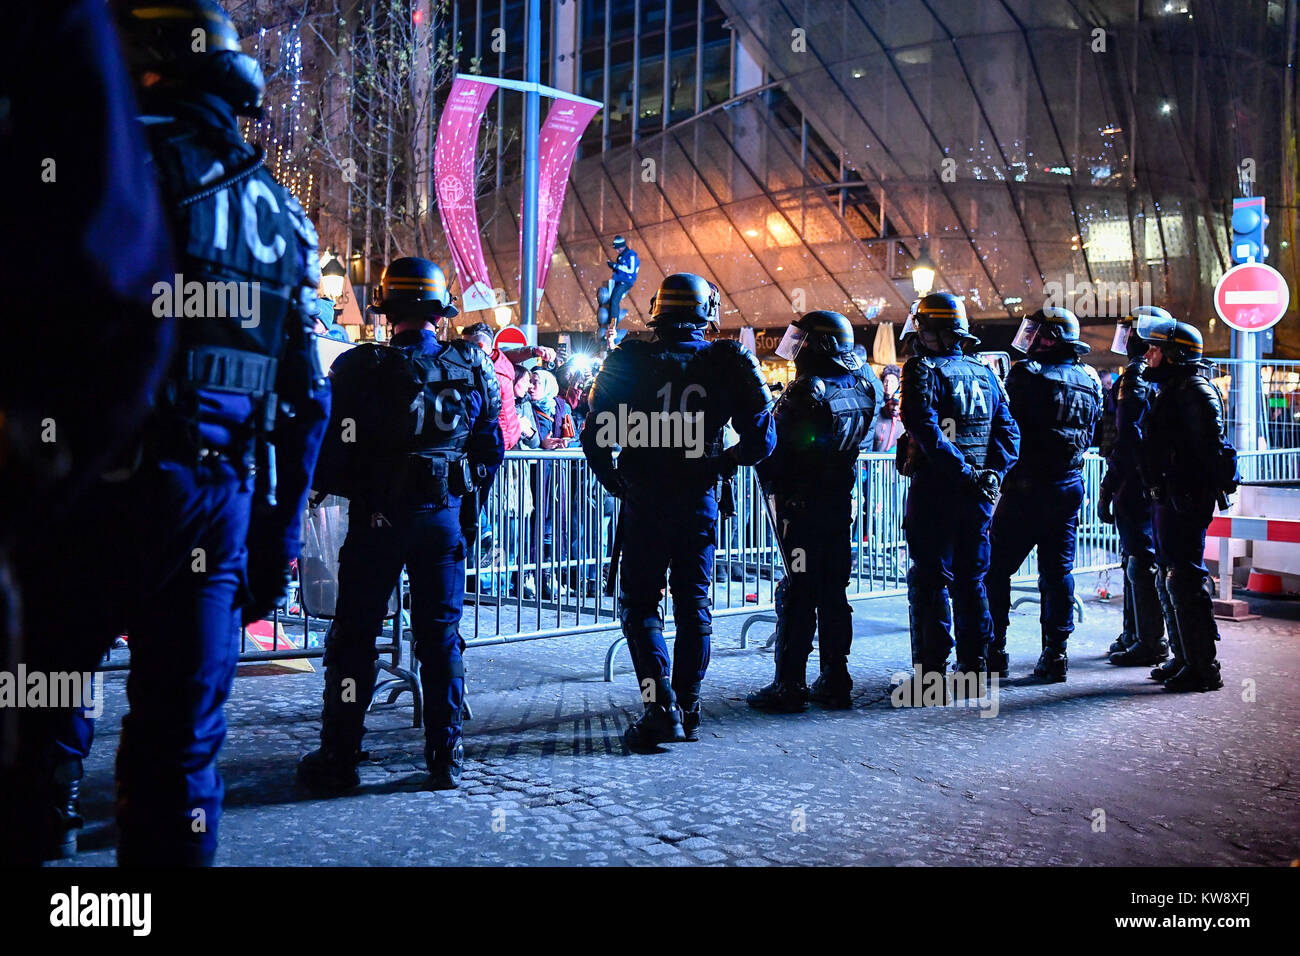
<point x="511" y="337"/>
<point x="1251" y="297"/>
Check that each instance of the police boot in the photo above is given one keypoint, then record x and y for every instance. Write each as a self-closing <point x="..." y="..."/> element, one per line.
<point x="332" y="768"/>
<point x="63" y="812"/>
<point x="1128" y="637"/>
<point x="1196" y="632"/>
<point x="779" y="697"/>
<point x="1169" y="668"/>
<point x="688" y="702"/>
<point x="1148" y="617"/>
<point x="1052" y="663"/>
<point x="996" y="659"/>
<point x="446" y="764"/>
<point x="660" y="724"/>
<point x="833" y="688"/>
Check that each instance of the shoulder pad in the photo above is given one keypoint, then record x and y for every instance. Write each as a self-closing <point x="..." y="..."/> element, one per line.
<point x="1029" y="367"/>
<point x="1092" y="375"/>
<point x="800" y="389"/>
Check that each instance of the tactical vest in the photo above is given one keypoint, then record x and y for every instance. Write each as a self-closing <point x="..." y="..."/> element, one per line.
<point x="1056" y="406"/>
<point x="672" y="395"/>
<point x="852" y="413"/>
<point x="247" y="252"/>
<point x="966" y="399"/>
<point x="415" y="404"/>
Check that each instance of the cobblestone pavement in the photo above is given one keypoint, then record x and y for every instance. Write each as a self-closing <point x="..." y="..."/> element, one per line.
<point x="1175" y="779"/>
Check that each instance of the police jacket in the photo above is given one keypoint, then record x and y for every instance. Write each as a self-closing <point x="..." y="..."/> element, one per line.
<point x="822" y="421"/>
<point x="1184" y="447"/>
<point x="415" y="423"/>
<point x="1056" y="404"/>
<point x="663" y="404"/>
<point x="246" y="363"/>
<point x="1133" y="397"/>
<point x="957" y="417"/>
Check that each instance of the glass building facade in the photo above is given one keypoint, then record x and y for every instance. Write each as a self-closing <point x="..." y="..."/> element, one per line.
<point x="802" y="154"/>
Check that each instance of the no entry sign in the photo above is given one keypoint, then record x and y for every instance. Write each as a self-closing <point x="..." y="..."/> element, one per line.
<point x="1251" y="297"/>
<point x="511" y="337"/>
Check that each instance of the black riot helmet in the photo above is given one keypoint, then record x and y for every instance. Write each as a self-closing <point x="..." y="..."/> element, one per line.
<point x="684" y="299"/>
<point x="1179" y="342"/>
<point x="191" y="43"/>
<point x="1049" y="330"/>
<point x="825" y="335"/>
<point x="414" y="288"/>
<point x="938" y="321"/>
<point x="1127" y="340"/>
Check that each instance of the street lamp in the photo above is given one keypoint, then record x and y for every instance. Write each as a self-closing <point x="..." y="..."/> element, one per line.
<point x="923" y="271"/>
<point x="502" y="315"/>
<point x="332" y="277"/>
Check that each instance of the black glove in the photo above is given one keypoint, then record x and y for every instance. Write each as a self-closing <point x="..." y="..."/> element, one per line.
<point x="609" y="263"/>
<point x="726" y="465"/>
<point x="268" y="584"/>
<point x="1104" y="510"/>
<point x="987" y="484"/>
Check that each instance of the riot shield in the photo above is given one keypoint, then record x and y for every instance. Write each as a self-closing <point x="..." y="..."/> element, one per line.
<point x="325" y="527"/>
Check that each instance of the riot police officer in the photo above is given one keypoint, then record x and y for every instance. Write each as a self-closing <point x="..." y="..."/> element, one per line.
<point x="822" y="419"/>
<point x="414" y="431"/>
<point x="960" y="441"/>
<point x="669" y="513"/>
<point x="1187" y="466"/>
<point x="1123" y="502"/>
<point x="203" y="516"/>
<point x="1056" y="400"/>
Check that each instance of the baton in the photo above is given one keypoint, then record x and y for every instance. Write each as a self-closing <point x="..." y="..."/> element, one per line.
<point x="615" y="551"/>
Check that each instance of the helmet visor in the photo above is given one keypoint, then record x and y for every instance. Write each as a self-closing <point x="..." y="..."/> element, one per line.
<point x="791" y="343"/>
<point x="1025" y="335"/>
<point x="1154" y="327"/>
<point x="1123" y="331"/>
<point x="909" y="327"/>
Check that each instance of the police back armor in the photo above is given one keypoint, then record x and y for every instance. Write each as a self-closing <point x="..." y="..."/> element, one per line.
<point x="402" y="421"/>
<point x="653" y="378"/>
<point x="829" y="422"/>
<point x="249" y="244"/>
<point x="960" y="389"/>
<point x="1056" y="406"/>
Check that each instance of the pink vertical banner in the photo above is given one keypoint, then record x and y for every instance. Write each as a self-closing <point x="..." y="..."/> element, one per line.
<point x="454" y="183"/>
<point x="557" y="144"/>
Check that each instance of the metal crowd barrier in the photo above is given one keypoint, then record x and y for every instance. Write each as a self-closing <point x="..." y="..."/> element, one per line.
<point x="537" y="569"/>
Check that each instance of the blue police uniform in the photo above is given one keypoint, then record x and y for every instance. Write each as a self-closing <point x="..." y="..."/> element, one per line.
<point x="821" y="423"/>
<point x="1186" y="463"/>
<point x="1056" y="405"/>
<point x="202" y="520"/>
<point x="405" y="482"/>
<point x="958" y="423"/>
<point x="93" y="241"/>
<point x="670" y="508"/>
<point x="1131" y="509"/>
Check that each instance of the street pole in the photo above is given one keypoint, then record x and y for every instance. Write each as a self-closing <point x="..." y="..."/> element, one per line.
<point x="532" y="111"/>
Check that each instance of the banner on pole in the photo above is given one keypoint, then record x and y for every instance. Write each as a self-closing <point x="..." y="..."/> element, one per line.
<point x="454" y="183"/>
<point x="557" y="144"/>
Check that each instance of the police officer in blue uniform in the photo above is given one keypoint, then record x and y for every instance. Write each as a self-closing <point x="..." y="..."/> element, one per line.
<point x="1188" y="466"/>
<point x="822" y="419"/>
<point x="415" y="430"/>
<point x="203" y="517"/>
<point x="1123" y="502"/>
<point x="961" y="439"/>
<point x="1056" y="400"/>
<point x="669" y="512"/>
<point x="94" y="240"/>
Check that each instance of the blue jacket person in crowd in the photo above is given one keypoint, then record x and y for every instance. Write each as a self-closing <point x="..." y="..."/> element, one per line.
<point x="1123" y="502"/>
<point x="415" y="430"/>
<point x="1188" y="466"/>
<point x="201" y="519"/>
<point x="961" y="439"/>
<point x="625" y="265"/>
<point x="684" y="388"/>
<point x="822" y="420"/>
<point x="1056" y="400"/>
